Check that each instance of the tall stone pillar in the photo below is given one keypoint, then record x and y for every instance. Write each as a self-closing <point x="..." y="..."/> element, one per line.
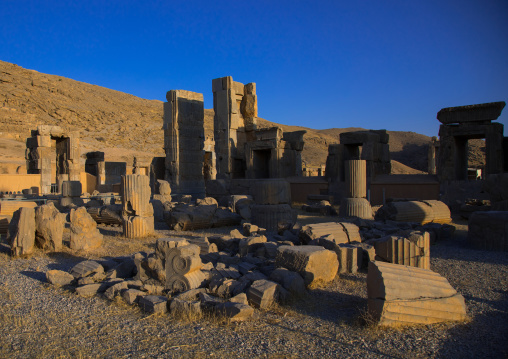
<point x="356" y="178"/>
<point x="235" y="107"/>
<point x="184" y="138"/>
<point x="433" y="146"/>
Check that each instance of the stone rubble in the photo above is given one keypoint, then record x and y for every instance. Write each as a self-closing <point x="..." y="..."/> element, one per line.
<point x="400" y="295"/>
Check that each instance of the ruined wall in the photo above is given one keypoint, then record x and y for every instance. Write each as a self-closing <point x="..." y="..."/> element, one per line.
<point x="462" y="123"/>
<point x="235" y="107"/>
<point x="45" y="141"/>
<point x="184" y="142"/>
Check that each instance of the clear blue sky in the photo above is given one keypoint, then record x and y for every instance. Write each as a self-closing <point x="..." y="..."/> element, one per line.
<point x="319" y="64"/>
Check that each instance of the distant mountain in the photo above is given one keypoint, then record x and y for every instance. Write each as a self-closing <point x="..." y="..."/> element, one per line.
<point x="124" y="125"/>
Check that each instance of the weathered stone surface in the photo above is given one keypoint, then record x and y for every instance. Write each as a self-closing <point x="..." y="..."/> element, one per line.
<point x="185" y="308"/>
<point x="315" y="231"/>
<point x="250" y="244"/>
<point x="401" y="295"/>
<point x="347" y="255"/>
<point x="136" y="194"/>
<point x="58" y="277"/>
<point x="84" y="233"/>
<point x="273" y="217"/>
<point x="271" y="191"/>
<point x="356" y="178"/>
<point x="164" y="188"/>
<point x="291" y="281"/>
<point x="236" y="312"/>
<point x="204" y="245"/>
<point x="262" y="293"/>
<point x="315" y="264"/>
<point x="240" y="298"/>
<point x="178" y="283"/>
<point x="355" y="207"/>
<point x="49" y="227"/>
<point x="131" y="296"/>
<point x="409" y="211"/>
<point x="153" y="304"/>
<point x="22" y="232"/>
<point x="71" y="188"/>
<point x="471" y="113"/>
<point x="249" y="229"/>
<point x="225" y="218"/>
<point x="124" y="269"/>
<point x="163" y="245"/>
<point x="138" y="226"/>
<point x="412" y="251"/>
<point x="115" y="290"/>
<point x="489" y="230"/>
<point x="440" y="210"/>
<point x="86" y="268"/>
<point x="89" y="290"/>
<point x="207" y="201"/>
<point x="183" y="259"/>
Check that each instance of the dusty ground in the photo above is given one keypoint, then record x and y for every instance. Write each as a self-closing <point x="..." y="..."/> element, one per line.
<point x="40" y="321"/>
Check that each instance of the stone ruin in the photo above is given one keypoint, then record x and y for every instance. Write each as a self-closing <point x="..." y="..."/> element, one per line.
<point x="184" y="142"/>
<point x="273" y="259"/>
<point x="237" y="149"/>
<point x="40" y="153"/>
<point x="369" y="146"/>
<point x="232" y="275"/>
<point x="458" y="125"/>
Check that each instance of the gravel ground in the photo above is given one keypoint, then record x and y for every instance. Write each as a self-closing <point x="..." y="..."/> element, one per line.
<point x="40" y="321"/>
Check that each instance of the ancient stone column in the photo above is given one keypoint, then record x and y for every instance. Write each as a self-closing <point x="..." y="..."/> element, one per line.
<point x="356" y="178"/>
<point x="356" y="205"/>
<point x="137" y="210"/>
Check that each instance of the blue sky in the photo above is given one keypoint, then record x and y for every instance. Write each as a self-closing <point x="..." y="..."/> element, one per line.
<point x="319" y="64"/>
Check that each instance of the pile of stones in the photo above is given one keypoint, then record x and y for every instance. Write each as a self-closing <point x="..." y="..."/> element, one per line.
<point x="43" y="227"/>
<point x="232" y="275"/>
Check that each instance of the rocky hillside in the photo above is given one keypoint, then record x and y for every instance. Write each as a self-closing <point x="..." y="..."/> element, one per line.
<point x="123" y="125"/>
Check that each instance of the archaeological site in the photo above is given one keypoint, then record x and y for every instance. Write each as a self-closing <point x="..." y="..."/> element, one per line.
<point x="234" y="235"/>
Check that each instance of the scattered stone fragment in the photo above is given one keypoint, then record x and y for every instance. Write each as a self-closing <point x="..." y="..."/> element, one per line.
<point x="263" y="293"/>
<point x="240" y="298"/>
<point x="84" y="233"/>
<point x="131" y="296"/>
<point x="89" y="290"/>
<point x="315" y="231"/>
<point x="163" y="245"/>
<point x="250" y="244"/>
<point x="185" y="308"/>
<point x="85" y="281"/>
<point x="209" y="301"/>
<point x="86" y="268"/>
<point x="291" y="281"/>
<point x="59" y="278"/>
<point x="115" y="290"/>
<point x="236" y="312"/>
<point x="49" y="226"/>
<point x="153" y="304"/>
<point x="21" y="236"/>
<point x="249" y="229"/>
<point x="314" y="263"/>
<point x="402" y="295"/>
<point x="413" y="251"/>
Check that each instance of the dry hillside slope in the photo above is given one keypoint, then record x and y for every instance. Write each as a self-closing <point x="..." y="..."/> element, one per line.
<point x="123" y="125"/>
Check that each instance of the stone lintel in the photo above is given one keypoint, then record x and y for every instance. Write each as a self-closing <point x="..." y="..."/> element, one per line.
<point x="483" y="112"/>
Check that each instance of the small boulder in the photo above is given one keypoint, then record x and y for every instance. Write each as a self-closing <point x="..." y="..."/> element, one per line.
<point x="59" y="278"/>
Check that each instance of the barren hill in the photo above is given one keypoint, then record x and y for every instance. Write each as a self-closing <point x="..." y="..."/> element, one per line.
<point x="124" y="125"/>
